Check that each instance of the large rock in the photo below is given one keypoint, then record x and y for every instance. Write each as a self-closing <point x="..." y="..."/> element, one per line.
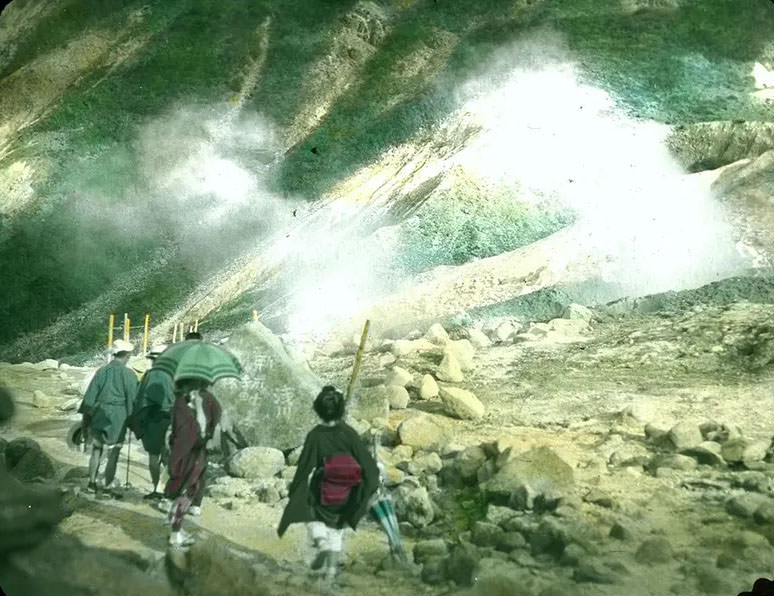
<point x="424" y="431"/>
<point x="413" y="504"/>
<point x="685" y="435"/>
<point x="256" y="462"/>
<point x="47" y="364"/>
<point x="399" y="376"/>
<point x="478" y="338"/>
<point x="404" y="347"/>
<point x="33" y="464"/>
<point x="370" y="403"/>
<point x="536" y="477"/>
<point x="228" y="487"/>
<point x="397" y="396"/>
<point x="41" y="400"/>
<point x="463" y="351"/>
<point x="742" y="450"/>
<point x="461" y="403"/>
<point x="428" y="389"/>
<point x="449" y="370"/>
<point x="273" y="399"/>
<point x="577" y="312"/>
<point x="437" y="334"/>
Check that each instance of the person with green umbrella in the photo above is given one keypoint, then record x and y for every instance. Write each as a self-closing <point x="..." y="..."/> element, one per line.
<point x="194" y="416"/>
<point x="106" y="406"/>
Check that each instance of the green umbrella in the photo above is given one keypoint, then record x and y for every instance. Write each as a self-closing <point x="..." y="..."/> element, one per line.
<point x="198" y="360"/>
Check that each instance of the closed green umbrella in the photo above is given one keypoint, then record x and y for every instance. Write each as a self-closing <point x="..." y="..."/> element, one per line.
<point x="198" y="360"/>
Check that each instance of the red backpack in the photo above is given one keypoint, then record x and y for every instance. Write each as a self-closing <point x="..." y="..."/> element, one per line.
<point x="341" y="473"/>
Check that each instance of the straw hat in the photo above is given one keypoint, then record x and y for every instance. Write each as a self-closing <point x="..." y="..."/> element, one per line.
<point x="157" y="350"/>
<point x="120" y="345"/>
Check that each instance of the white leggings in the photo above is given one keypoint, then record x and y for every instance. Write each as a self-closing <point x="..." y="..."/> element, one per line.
<point x="326" y="538"/>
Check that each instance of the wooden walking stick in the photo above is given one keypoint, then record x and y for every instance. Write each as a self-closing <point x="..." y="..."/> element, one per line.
<point x="128" y="458"/>
<point x="358" y="357"/>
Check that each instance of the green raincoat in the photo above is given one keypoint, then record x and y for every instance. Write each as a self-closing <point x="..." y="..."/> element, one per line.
<point x="152" y="408"/>
<point x="108" y="402"/>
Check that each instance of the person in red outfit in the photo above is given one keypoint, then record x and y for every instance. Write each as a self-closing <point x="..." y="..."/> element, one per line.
<point x="195" y="415"/>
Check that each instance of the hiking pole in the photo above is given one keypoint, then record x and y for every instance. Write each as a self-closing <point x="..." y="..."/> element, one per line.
<point x="128" y="460"/>
<point x="359" y="355"/>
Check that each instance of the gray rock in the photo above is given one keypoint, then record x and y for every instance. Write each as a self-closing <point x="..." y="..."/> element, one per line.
<point x="706" y="453"/>
<point x="461" y="403"/>
<point x="577" y="311"/>
<point x="449" y="370"/>
<point x="370" y="403"/>
<point x="256" y="462"/>
<point x="597" y="497"/>
<point x="741" y="450"/>
<point x="681" y="462"/>
<point x="399" y="376"/>
<point x="412" y="503"/>
<point x="41" y="400"/>
<point x="425" y="549"/>
<point x="745" y="505"/>
<point x="33" y="464"/>
<point x="654" y="551"/>
<point x="434" y="570"/>
<point x="70" y="404"/>
<point x="428" y="388"/>
<point x="599" y="572"/>
<point x="536" y="474"/>
<point x="424" y="463"/>
<point x="549" y="538"/>
<point x="685" y="435"/>
<point x="460" y="566"/>
<point x="752" y="481"/>
<point x="478" y="338"/>
<point x="764" y="514"/>
<point x="486" y="534"/>
<point x="504" y="332"/>
<point x="631" y="454"/>
<point x="620" y="532"/>
<point x="463" y="351"/>
<point x="227" y="487"/>
<point x="463" y="469"/>
<point x="272" y="400"/>
<point x="496" y="514"/>
<point x="495" y="576"/>
<point x="437" y="334"/>
<point x="398" y="397"/>
<point x="47" y="364"/>
<point x="424" y="431"/>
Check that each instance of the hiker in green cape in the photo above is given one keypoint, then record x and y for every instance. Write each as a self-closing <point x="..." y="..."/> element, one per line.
<point x="105" y="407"/>
<point x="151" y="417"/>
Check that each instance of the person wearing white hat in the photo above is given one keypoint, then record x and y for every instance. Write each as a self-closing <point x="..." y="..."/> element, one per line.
<point x="151" y="417"/>
<point x="106" y="406"/>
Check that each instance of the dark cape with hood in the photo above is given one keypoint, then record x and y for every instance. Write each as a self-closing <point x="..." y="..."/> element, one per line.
<point x="108" y="402"/>
<point x="304" y="496"/>
<point x="152" y="410"/>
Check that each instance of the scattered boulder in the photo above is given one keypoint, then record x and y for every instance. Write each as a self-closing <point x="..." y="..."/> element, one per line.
<point x="460" y="566"/>
<point x="461" y="403"/>
<point x="370" y="403"/>
<point x="34" y="464"/>
<point x="463" y="469"/>
<point x="256" y="462"/>
<point x="425" y="549"/>
<point x="741" y="450"/>
<point x="685" y="435"/>
<point x="428" y="388"/>
<point x="387" y="360"/>
<point x="630" y="454"/>
<point x="397" y="396"/>
<point x="674" y="462"/>
<point x="745" y="505"/>
<point x="478" y="338"/>
<point x="654" y="551"/>
<point x="399" y="376"/>
<point x="487" y="534"/>
<point x="404" y="347"/>
<point x="16" y="449"/>
<point x="271" y="490"/>
<point x="504" y="332"/>
<point x="620" y="532"/>
<point x="413" y="504"/>
<point x="599" y="572"/>
<point x="706" y="453"/>
<point x="538" y="475"/>
<point x="424" y="431"/>
<point x="41" y="400"/>
<point x="70" y="404"/>
<point x="424" y="463"/>
<point x="227" y="487"/>
<point x="463" y="351"/>
<point x="499" y="515"/>
<point x="449" y="370"/>
<point x="577" y="312"/>
<point x="597" y="497"/>
<point x="437" y="334"/>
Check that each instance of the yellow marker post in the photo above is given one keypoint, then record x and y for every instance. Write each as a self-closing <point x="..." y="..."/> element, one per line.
<point x="111" y="322"/>
<point x="255" y="315"/>
<point x="174" y="334"/>
<point x="182" y="331"/>
<point x="145" y="334"/>
<point x="196" y="325"/>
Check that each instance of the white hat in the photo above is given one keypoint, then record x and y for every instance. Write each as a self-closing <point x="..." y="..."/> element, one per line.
<point x="156" y="350"/>
<point x="120" y="345"/>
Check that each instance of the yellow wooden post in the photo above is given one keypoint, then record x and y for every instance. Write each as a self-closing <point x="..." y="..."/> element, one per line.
<point x="145" y="333"/>
<point x="111" y="322"/>
<point x="174" y="334"/>
<point x="126" y="327"/>
<point x="182" y="331"/>
<point x="196" y="325"/>
<point x="255" y="315"/>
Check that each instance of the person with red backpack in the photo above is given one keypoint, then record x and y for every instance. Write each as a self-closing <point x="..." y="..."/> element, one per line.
<point x="333" y="484"/>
